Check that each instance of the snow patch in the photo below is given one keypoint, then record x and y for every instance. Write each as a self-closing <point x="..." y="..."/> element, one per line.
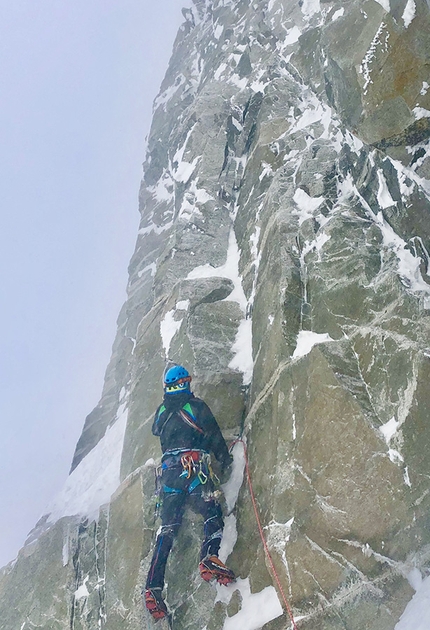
<point x="409" y="13"/>
<point x="230" y="270"/>
<point x="389" y="429"/>
<point x="163" y="190"/>
<point x="420" y="112"/>
<point x="257" y="608"/>
<point x="385" y="200"/>
<point x="417" y="613"/>
<point x="315" y="111"/>
<point x="165" y="96"/>
<point x="218" y="31"/>
<point x="424" y="88"/>
<point x="96" y="478"/>
<point x="292" y="37"/>
<point x="184" y="170"/>
<point x="338" y="14"/>
<point x="306" y="204"/>
<point x="242" y="348"/>
<point x="82" y="591"/>
<point x="152" y="268"/>
<point x="232" y="487"/>
<point x="385" y="4"/>
<point x="310" y="8"/>
<point x="183" y="305"/>
<point x="408" y="266"/>
<point x="157" y="229"/>
<point x="229" y="537"/>
<point x="170" y="325"/>
<point x="306" y="340"/>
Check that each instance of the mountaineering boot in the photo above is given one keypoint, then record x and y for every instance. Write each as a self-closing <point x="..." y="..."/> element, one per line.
<point x="155" y="603"/>
<point x="212" y="568"/>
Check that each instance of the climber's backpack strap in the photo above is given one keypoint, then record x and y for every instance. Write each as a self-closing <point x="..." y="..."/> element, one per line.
<point x="159" y="427"/>
<point x="189" y="418"/>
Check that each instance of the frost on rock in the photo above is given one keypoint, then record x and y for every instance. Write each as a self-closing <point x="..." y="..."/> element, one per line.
<point x="379" y="41"/>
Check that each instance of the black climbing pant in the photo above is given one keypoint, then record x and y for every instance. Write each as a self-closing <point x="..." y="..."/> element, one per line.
<point x="178" y="491"/>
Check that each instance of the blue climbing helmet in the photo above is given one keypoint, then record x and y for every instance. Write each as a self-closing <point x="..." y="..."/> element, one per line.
<point x="176" y="380"/>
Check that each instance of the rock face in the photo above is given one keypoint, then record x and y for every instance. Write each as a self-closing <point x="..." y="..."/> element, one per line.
<point x="283" y="257"/>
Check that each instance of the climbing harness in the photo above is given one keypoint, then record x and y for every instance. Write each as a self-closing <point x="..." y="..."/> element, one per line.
<point x="196" y="466"/>
<point x="261" y="532"/>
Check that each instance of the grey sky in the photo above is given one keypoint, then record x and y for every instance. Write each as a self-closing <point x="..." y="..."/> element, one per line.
<point x="77" y="80"/>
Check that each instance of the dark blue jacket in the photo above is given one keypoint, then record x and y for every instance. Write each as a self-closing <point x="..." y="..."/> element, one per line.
<point x="183" y="421"/>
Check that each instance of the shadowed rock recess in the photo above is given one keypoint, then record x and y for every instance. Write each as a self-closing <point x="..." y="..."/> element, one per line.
<point x="283" y="257"/>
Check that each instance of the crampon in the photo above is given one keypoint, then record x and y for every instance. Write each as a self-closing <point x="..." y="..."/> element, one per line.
<point x="155" y="603"/>
<point x="211" y="568"/>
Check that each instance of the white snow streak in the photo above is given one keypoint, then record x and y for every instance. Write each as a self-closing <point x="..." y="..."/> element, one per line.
<point x="420" y="112"/>
<point x="385" y="4"/>
<point x="230" y="269"/>
<point x="242" y="346"/>
<point x="96" y="478"/>
<point x="233" y="485"/>
<point x="424" y="88"/>
<point x="385" y="200"/>
<point x="257" y="608"/>
<point x="389" y="429"/>
<point x="338" y="14"/>
<point x="306" y="204"/>
<point x="409" y="13"/>
<point x="306" y="340"/>
<point x="365" y="68"/>
<point x="310" y="7"/>
<point x="417" y="613"/>
<point x="82" y="591"/>
<point x="170" y="325"/>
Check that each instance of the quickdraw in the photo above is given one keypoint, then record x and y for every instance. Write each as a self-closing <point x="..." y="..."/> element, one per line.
<point x="190" y="464"/>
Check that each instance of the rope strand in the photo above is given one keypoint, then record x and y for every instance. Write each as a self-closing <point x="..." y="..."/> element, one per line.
<point x="263" y="540"/>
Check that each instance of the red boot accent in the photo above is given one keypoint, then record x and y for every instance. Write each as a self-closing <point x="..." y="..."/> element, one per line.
<point x="155" y="603"/>
<point x="211" y="568"/>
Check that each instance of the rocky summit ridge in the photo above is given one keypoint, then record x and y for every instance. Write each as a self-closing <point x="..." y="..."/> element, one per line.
<point x="283" y="257"/>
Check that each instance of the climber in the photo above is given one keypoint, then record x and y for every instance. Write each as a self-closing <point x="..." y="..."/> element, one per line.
<point x="188" y="433"/>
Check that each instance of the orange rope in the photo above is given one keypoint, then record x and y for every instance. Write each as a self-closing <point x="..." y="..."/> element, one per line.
<point x="260" y="529"/>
